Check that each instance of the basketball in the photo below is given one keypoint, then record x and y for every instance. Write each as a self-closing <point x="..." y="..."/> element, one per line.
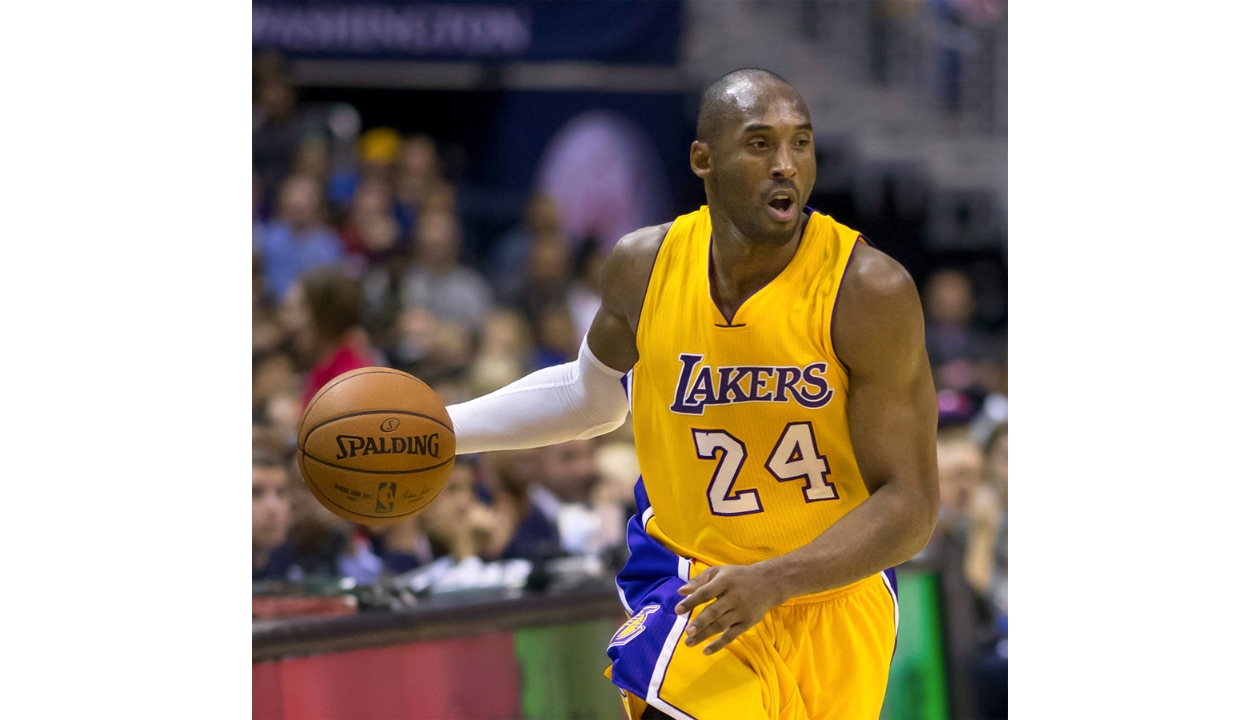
<point x="375" y="445"/>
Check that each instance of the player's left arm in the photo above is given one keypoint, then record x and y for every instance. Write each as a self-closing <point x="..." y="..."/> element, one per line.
<point x="878" y="334"/>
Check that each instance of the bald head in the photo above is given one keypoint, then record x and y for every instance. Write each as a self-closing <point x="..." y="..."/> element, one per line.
<point x="754" y="150"/>
<point x="738" y="94"/>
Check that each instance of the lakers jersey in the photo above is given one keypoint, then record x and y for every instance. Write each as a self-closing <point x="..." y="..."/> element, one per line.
<point x="741" y="427"/>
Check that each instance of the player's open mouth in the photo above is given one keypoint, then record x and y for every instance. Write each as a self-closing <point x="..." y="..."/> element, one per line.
<point x="783" y="206"/>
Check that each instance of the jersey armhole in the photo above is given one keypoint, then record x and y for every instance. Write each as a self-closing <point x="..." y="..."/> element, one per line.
<point x="647" y="288"/>
<point x="835" y="304"/>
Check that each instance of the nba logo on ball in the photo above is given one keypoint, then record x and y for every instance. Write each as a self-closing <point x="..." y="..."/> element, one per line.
<point x="385" y="497"/>
<point x="633" y="627"/>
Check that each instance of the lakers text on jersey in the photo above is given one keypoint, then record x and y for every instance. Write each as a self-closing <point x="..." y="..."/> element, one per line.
<point x="742" y="426"/>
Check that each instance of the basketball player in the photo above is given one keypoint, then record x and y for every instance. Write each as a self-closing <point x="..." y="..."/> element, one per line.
<point x="784" y="418"/>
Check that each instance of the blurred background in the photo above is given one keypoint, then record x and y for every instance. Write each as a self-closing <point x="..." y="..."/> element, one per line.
<point x="435" y="187"/>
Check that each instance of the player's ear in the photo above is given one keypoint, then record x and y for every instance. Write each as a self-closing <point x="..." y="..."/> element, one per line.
<point x="701" y="160"/>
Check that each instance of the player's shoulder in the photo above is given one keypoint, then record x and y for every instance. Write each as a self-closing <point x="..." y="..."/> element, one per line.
<point x="877" y="308"/>
<point x="626" y="273"/>
<point x="872" y="276"/>
<point x="644" y="242"/>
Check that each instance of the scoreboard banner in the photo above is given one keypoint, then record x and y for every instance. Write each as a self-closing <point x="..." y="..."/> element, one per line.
<point x="609" y="31"/>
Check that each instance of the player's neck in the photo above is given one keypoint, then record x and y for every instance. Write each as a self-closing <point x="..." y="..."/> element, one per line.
<point x="740" y="266"/>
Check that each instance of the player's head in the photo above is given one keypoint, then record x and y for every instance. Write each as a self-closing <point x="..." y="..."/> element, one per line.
<point x="754" y="142"/>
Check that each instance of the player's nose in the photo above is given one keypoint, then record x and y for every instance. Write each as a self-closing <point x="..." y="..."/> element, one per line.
<point x="784" y="165"/>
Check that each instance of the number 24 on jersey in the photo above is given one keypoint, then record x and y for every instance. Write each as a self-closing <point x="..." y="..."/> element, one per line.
<point x="794" y="457"/>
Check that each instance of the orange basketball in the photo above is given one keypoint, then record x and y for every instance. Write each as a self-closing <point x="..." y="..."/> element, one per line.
<point x="375" y="445"/>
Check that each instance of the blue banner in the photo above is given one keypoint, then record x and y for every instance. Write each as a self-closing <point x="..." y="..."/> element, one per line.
<point x="610" y="31"/>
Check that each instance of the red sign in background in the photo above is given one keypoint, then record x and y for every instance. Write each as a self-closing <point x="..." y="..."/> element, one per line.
<point x="463" y="677"/>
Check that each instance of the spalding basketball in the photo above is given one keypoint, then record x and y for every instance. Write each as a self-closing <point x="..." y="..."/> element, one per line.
<point x="375" y="445"/>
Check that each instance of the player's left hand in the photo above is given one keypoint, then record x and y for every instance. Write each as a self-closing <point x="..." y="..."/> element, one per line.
<point x="744" y="594"/>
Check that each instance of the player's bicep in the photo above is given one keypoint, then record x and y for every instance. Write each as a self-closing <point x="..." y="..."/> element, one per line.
<point x="892" y="401"/>
<point x="892" y="421"/>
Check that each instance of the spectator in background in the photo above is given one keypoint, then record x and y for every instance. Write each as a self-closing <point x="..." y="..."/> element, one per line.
<point x="418" y="173"/>
<point x="277" y="132"/>
<point x="312" y="159"/>
<point x="413" y="339"/>
<point x="326" y="306"/>
<point x="432" y="351"/>
<point x="457" y="524"/>
<point x="401" y="546"/>
<point x="503" y="355"/>
<point x="613" y="496"/>
<point x="436" y="282"/>
<point x="276" y="393"/>
<point x="530" y="534"/>
<point x="377" y="154"/>
<point x="583" y="296"/>
<point x="322" y="542"/>
<point x="267" y="335"/>
<point x="297" y="239"/>
<point x="370" y="230"/>
<point x="953" y="345"/>
<point x="259" y="227"/>
<point x="993" y="410"/>
<point x="272" y="516"/>
<point x="542" y="218"/>
<point x="294" y="536"/>
<point x="546" y="276"/>
<point x="557" y="341"/>
<point x="985" y="564"/>
<point x="960" y="471"/>
<point x="569" y="473"/>
<point x="440" y="199"/>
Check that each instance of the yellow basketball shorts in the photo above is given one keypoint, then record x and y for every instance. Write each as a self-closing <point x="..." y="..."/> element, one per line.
<point x="815" y="657"/>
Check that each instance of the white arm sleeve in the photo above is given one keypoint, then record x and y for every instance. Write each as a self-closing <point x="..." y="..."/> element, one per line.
<point x="581" y="399"/>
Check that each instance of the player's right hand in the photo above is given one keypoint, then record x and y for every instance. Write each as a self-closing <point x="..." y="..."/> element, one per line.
<point x="741" y="594"/>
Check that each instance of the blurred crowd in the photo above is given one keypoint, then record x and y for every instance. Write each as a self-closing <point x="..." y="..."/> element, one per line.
<point x="358" y="260"/>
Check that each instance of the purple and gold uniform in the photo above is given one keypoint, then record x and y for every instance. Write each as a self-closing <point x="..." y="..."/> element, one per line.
<point x="743" y="443"/>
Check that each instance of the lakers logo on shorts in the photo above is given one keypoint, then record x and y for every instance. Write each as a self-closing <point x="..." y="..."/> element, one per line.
<point x="635" y="625"/>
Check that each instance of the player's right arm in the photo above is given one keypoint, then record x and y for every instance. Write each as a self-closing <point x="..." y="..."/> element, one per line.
<point x="580" y="399"/>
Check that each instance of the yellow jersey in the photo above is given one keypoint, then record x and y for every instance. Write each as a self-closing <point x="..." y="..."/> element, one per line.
<point x="742" y="428"/>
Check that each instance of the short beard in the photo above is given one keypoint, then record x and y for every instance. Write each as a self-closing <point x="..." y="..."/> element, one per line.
<point x="772" y="238"/>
